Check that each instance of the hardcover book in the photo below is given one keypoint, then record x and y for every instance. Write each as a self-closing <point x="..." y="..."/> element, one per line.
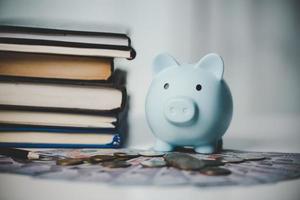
<point x="57" y="119"/>
<point x="65" y="42"/>
<point x="55" y="66"/>
<point x="78" y="97"/>
<point x="58" y="140"/>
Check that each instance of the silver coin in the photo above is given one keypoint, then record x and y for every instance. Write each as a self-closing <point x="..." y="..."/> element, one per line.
<point x="183" y="161"/>
<point x="154" y="163"/>
<point x="215" y="171"/>
<point x="116" y="164"/>
<point x="251" y="157"/>
<point x="230" y="159"/>
<point x="100" y="158"/>
<point x="69" y="161"/>
<point x="126" y="155"/>
<point x="151" y="153"/>
<point x="212" y="163"/>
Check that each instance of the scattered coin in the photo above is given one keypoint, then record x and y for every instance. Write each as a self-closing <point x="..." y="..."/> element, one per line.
<point x="251" y="157"/>
<point x="69" y="161"/>
<point x="100" y="158"/>
<point x="213" y="163"/>
<point x="230" y="159"/>
<point x="215" y="171"/>
<point x="122" y="158"/>
<point x="213" y="157"/>
<point x="126" y="155"/>
<point x="48" y="158"/>
<point x="116" y="164"/>
<point x="151" y="153"/>
<point x="154" y="163"/>
<point x="183" y="161"/>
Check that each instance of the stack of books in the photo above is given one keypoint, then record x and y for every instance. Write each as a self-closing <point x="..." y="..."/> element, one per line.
<point x="58" y="88"/>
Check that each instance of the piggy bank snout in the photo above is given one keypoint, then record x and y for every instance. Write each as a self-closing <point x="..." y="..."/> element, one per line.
<point x="180" y="110"/>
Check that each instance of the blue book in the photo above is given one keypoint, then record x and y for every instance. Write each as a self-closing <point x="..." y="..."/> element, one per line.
<point x="34" y="139"/>
<point x="32" y="136"/>
<point x="62" y="129"/>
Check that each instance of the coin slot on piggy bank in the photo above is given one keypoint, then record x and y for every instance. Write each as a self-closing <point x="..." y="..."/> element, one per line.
<point x="189" y="104"/>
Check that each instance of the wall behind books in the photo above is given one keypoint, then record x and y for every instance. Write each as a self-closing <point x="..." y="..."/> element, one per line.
<point x="259" y="41"/>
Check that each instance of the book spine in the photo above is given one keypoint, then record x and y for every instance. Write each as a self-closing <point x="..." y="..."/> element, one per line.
<point x="40" y="30"/>
<point x="59" y="129"/>
<point x="63" y="44"/>
<point x="115" y="143"/>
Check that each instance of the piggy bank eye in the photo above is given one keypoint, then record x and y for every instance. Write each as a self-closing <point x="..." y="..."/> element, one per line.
<point x="166" y="85"/>
<point x="198" y="87"/>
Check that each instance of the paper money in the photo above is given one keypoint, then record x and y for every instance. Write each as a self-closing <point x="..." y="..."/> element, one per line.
<point x="257" y="168"/>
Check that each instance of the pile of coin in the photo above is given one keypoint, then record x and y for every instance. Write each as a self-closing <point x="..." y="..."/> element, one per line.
<point x="209" y="165"/>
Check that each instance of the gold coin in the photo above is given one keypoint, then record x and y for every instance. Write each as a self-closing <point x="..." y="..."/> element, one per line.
<point x="215" y="171"/>
<point x="126" y="155"/>
<point x="69" y="161"/>
<point x="100" y="158"/>
<point x="116" y="164"/>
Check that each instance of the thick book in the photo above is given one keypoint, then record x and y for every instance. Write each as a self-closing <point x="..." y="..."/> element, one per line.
<point x="67" y="50"/>
<point x="56" y="129"/>
<point x="104" y="35"/>
<point x="27" y="118"/>
<point x="78" y="97"/>
<point x="20" y="139"/>
<point x="55" y="66"/>
<point x="65" y="42"/>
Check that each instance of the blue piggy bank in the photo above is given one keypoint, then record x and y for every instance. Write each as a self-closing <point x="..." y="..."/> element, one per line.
<point x="189" y="104"/>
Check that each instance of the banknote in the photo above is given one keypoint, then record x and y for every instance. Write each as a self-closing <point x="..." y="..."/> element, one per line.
<point x="255" y="168"/>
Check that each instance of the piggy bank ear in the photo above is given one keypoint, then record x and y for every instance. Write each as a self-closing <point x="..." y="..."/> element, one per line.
<point x="163" y="61"/>
<point x="213" y="63"/>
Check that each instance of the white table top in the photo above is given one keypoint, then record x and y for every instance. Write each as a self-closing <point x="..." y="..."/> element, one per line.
<point x="24" y="187"/>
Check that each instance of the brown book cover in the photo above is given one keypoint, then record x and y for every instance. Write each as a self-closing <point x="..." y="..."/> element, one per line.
<point x="55" y="66"/>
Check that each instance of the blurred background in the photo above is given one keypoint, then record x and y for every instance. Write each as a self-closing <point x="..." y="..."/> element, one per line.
<point x="258" y="40"/>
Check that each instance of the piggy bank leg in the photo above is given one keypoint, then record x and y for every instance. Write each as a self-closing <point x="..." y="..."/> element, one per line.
<point x="220" y="145"/>
<point x="162" y="146"/>
<point x="207" y="148"/>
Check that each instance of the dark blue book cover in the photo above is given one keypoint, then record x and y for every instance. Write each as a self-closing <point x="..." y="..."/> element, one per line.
<point x="62" y="129"/>
<point x="116" y="142"/>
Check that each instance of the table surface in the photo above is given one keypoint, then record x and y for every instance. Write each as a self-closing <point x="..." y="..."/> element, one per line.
<point x="23" y="187"/>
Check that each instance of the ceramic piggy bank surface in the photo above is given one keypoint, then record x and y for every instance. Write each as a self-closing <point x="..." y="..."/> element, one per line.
<point x="189" y="104"/>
